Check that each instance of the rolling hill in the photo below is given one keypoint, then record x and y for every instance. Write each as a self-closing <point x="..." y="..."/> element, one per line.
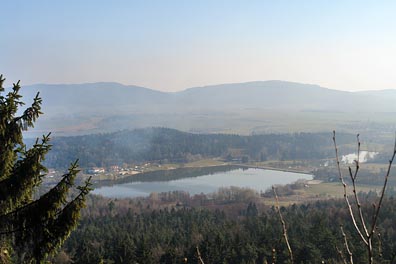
<point x="262" y="106"/>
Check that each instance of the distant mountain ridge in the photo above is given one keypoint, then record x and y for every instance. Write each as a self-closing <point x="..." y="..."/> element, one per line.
<point x="265" y="94"/>
<point x="104" y="93"/>
<point x="139" y="106"/>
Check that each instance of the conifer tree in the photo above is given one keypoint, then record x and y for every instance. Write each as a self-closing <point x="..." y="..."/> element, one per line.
<point x="30" y="229"/>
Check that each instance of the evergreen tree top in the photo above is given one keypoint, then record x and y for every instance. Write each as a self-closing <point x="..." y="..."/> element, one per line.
<point x="31" y="229"/>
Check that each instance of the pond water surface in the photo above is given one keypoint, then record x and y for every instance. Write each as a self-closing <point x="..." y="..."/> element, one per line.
<point x="196" y="181"/>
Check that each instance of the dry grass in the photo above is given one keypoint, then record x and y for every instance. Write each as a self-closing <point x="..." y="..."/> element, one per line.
<point x="317" y="191"/>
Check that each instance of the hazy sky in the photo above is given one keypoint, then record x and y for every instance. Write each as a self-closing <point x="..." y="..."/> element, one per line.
<point x="171" y="45"/>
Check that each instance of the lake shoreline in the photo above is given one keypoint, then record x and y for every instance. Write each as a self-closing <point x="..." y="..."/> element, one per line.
<point x="199" y="180"/>
<point x="274" y="169"/>
<point x="208" y="166"/>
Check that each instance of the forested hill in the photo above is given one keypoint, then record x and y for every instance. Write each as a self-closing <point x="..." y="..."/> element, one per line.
<point x="169" y="145"/>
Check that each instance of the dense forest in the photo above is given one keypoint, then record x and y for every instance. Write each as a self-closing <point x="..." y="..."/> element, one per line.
<point x="138" y="231"/>
<point x="169" y="145"/>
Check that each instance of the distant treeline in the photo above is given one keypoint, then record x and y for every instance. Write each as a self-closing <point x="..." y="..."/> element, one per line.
<point x="169" y="145"/>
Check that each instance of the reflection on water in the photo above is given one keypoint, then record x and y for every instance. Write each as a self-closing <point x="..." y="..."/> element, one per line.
<point x="198" y="180"/>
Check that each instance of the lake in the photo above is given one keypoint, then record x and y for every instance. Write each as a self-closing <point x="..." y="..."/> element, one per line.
<point x="196" y="181"/>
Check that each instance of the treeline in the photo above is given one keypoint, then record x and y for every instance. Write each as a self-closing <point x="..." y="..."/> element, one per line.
<point x="169" y="145"/>
<point x="114" y="234"/>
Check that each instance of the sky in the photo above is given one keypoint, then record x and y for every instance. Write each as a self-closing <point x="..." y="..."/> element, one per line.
<point x="172" y="45"/>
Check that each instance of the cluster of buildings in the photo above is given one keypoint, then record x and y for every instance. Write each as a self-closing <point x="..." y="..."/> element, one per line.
<point x="117" y="169"/>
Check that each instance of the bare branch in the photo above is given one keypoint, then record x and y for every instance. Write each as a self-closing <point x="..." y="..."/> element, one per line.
<point x="273" y="256"/>
<point x="382" y="193"/>
<point x="353" y="179"/>
<point x="341" y="255"/>
<point x="379" y="243"/>
<point x="199" y="256"/>
<point x="346" y="245"/>
<point x="363" y="238"/>
<point x="369" y="234"/>
<point x="283" y="226"/>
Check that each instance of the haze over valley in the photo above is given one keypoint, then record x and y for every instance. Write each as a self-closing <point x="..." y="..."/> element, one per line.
<point x="243" y="108"/>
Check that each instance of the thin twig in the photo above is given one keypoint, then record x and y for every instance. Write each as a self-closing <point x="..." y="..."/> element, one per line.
<point x="346" y="245"/>
<point x="341" y="255"/>
<point x="345" y="193"/>
<point x="382" y="192"/>
<point x="273" y="256"/>
<point x="379" y="243"/>
<point x="283" y="226"/>
<point x="199" y="256"/>
<point x="353" y="179"/>
<point x="369" y="234"/>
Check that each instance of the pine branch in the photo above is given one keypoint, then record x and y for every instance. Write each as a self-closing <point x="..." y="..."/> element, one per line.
<point x="43" y="224"/>
<point x="65" y="221"/>
<point x="26" y="174"/>
<point x="45" y="207"/>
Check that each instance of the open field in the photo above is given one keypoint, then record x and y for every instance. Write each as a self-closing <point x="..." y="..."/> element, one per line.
<point x="318" y="191"/>
<point x="333" y="190"/>
<point x="229" y="121"/>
